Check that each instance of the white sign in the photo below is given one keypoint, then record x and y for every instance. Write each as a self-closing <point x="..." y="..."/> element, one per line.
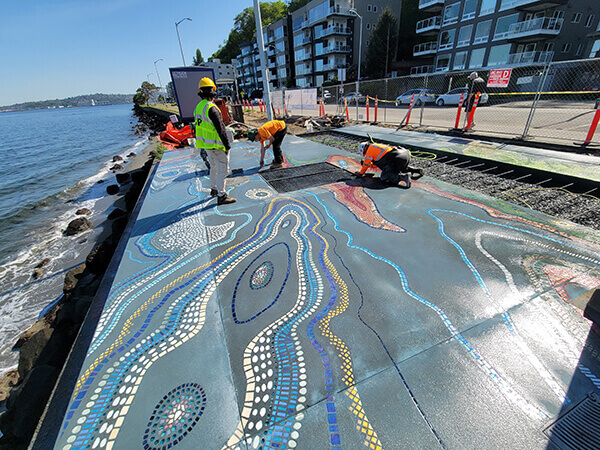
<point x="524" y="80"/>
<point x="499" y="78"/>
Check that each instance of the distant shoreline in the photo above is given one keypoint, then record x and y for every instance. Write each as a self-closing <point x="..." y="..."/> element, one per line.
<point x="71" y="102"/>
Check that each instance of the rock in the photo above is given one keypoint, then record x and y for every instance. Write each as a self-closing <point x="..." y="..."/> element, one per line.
<point x="37" y="274"/>
<point x="131" y="155"/>
<point x="112" y="189"/>
<point x="100" y="182"/>
<point x="116" y="213"/>
<point x="43" y="262"/>
<point x="72" y="278"/>
<point x="9" y="380"/>
<point x="32" y="348"/>
<point x="78" y="225"/>
<point x="82" y="211"/>
<point x="99" y="258"/>
<point x="116" y="167"/>
<point x="117" y="158"/>
<point x="123" y="178"/>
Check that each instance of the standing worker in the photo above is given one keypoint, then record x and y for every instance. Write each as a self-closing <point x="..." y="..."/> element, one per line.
<point x="212" y="136"/>
<point x="477" y="84"/>
<point x="271" y="132"/>
<point x="394" y="163"/>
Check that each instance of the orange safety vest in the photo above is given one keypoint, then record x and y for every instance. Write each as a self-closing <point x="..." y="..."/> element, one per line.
<point x="374" y="153"/>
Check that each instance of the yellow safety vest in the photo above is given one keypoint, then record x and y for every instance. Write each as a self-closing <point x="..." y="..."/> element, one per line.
<point x="206" y="133"/>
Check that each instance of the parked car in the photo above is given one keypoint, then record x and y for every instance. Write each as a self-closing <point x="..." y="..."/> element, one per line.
<point x="327" y="97"/>
<point x="453" y="97"/>
<point x="353" y="97"/>
<point x="421" y="96"/>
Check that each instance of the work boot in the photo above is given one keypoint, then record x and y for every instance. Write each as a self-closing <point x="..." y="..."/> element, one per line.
<point x="214" y="192"/>
<point x="225" y="199"/>
<point x="277" y="165"/>
<point x="404" y="177"/>
<point x="417" y="173"/>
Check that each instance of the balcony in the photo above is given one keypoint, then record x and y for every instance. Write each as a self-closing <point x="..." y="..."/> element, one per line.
<point x="333" y="11"/>
<point x="332" y="30"/>
<point x="431" y="5"/>
<point x="530" y="58"/>
<point x="531" y="5"/>
<point x="335" y="49"/>
<point x="535" y="28"/>
<point x="422" y="70"/>
<point x="303" y="57"/>
<point x="300" y="25"/>
<point x="429" y="26"/>
<point x="427" y="48"/>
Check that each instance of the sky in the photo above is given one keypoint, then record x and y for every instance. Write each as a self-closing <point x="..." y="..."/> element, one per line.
<point x="57" y="49"/>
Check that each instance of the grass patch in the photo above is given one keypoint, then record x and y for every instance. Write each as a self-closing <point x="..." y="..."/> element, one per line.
<point x="158" y="152"/>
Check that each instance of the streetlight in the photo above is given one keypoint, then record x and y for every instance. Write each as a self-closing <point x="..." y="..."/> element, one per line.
<point x="353" y="11"/>
<point x="179" y="38"/>
<point x="155" y="68"/>
<point x="148" y="76"/>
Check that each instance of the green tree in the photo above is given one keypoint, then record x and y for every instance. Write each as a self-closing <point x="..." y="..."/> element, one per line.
<point x="382" y="45"/>
<point x="144" y="93"/>
<point x="198" y="59"/>
<point x="245" y="27"/>
<point x="407" y="38"/>
<point x="295" y="5"/>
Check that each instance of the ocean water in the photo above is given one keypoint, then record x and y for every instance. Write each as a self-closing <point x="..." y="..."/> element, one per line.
<point x="54" y="162"/>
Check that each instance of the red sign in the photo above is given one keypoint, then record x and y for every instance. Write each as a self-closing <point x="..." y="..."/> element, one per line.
<point x="499" y="78"/>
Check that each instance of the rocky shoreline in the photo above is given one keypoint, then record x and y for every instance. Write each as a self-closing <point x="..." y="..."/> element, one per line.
<point x="44" y="347"/>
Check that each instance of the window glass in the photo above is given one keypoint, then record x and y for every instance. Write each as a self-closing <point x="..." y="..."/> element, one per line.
<point x="498" y="55"/>
<point x="566" y="48"/>
<point x="576" y="18"/>
<point x="443" y="61"/>
<point x="464" y="36"/>
<point x="477" y="58"/>
<point x="279" y="32"/>
<point x="447" y="39"/>
<point x="281" y="60"/>
<point x="460" y="60"/>
<point x="487" y="7"/>
<point x="451" y="14"/>
<point x="318" y="12"/>
<point x="482" y="32"/>
<point x="470" y="9"/>
<point x="280" y="46"/>
<point x="590" y="21"/>
<point x="595" y="49"/>
<point x="503" y="25"/>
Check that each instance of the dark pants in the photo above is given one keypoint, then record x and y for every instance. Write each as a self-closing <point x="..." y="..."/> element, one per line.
<point x="277" y="155"/>
<point x="392" y="164"/>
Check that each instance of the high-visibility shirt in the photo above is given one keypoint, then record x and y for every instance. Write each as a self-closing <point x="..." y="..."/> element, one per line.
<point x="374" y="153"/>
<point x="207" y="136"/>
<point x="269" y="129"/>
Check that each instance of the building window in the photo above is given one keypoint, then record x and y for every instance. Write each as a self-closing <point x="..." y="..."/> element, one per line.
<point x="589" y="21"/>
<point x="369" y="8"/>
<point x="576" y="18"/>
<point x="566" y="48"/>
<point x="447" y="39"/>
<point x="579" y="51"/>
<point x="368" y="26"/>
<point x="460" y="60"/>
<point x="469" y="10"/>
<point x="498" y="55"/>
<point x="464" y="36"/>
<point x="367" y="42"/>
<point x="558" y="14"/>
<point x="451" y="14"/>
<point x="487" y="7"/>
<point x="595" y="49"/>
<point x="503" y="25"/>
<point x="374" y="8"/>
<point x="443" y="62"/>
<point x="482" y="32"/>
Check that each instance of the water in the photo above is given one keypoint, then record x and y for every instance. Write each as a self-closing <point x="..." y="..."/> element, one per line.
<point x="53" y="161"/>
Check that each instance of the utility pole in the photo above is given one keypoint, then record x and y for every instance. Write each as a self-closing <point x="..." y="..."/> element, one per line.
<point x="263" y="60"/>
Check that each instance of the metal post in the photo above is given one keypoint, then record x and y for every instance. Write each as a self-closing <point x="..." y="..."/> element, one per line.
<point x="385" y="103"/>
<point x="535" y="101"/>
<point x="179" y="38"/>
<point x="423" y="102"/>
<point x="263" y="60"/>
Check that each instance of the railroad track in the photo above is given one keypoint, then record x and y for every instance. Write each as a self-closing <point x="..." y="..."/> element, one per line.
<point x="565" y="197"/>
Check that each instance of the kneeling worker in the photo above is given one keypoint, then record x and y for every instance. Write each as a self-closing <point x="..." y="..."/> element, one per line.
<point x="271" y="133"/>
<point x="394" y="162"/>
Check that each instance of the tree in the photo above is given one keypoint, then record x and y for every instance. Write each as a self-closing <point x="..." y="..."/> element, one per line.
<point x="407" y="38"/>
<point x="383" y="45"/>
<point x="144" y="93"/>
<point x="198" y="59"/>
<point x="295" y="5"/>
<point x="245" y="27"/>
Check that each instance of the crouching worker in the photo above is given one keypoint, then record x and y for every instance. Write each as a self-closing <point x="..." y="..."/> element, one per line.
<point x="271" y="133"/>
<point x="394" y="163"/>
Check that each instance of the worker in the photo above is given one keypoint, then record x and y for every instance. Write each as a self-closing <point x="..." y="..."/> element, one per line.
<point x="394" y="163"/>
<point x="271" y="133"/>
<point x="212" y="136"/>
<point x="477" y="86"/>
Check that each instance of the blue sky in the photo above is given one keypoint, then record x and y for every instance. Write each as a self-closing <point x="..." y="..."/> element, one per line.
<point x="57" y="49"/>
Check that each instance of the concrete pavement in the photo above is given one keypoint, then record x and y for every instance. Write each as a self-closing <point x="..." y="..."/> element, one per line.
<point x="341" y="315"/>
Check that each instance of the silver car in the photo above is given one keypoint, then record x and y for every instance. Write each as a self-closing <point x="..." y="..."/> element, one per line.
<point x="421" y="96"/>
<point x="453" y="97"/>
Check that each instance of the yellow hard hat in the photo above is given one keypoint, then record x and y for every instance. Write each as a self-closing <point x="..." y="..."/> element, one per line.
<point x="206" y="82"/>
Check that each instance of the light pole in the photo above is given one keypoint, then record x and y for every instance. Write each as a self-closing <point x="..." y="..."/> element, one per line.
<point x="263" y="60"/>
<point x="179" y="38"/>
<point x="155" y="68"/>
<point x="353" y="11"/>
<point x="148" y="76"/>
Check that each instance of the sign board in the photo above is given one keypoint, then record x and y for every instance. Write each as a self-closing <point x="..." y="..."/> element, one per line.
<point x="185" y="85"/>
<point x="342" y="75"/>
<point x="499" y="77"/>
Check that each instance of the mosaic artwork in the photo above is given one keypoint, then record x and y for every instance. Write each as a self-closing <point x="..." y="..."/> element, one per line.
<point x="338" y="316"/>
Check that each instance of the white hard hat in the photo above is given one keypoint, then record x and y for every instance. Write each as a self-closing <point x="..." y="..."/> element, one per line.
<point x="363" y="147"/>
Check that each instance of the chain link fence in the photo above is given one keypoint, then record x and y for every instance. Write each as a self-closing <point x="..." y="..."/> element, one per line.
<point x="549" y="101"/>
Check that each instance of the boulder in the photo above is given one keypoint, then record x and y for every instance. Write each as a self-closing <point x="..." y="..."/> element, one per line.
<point x="112" y="189"/>
<point x="82" y="211"/>
<point x="117" y="158"/>
<point x="43" y="262"/>
<point x="117" y="212"/>
<point x="116" y="167"/>
<point x="78" y="225"/>
<point x="32" y="348"/>
<point x="131" y="155"/>
<point x="37" y="274"/>
<point x="9" y="380"/>
<point x="99" y="258"/>
<point x="72" y="278"/>
<point x="123" y="178"/>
